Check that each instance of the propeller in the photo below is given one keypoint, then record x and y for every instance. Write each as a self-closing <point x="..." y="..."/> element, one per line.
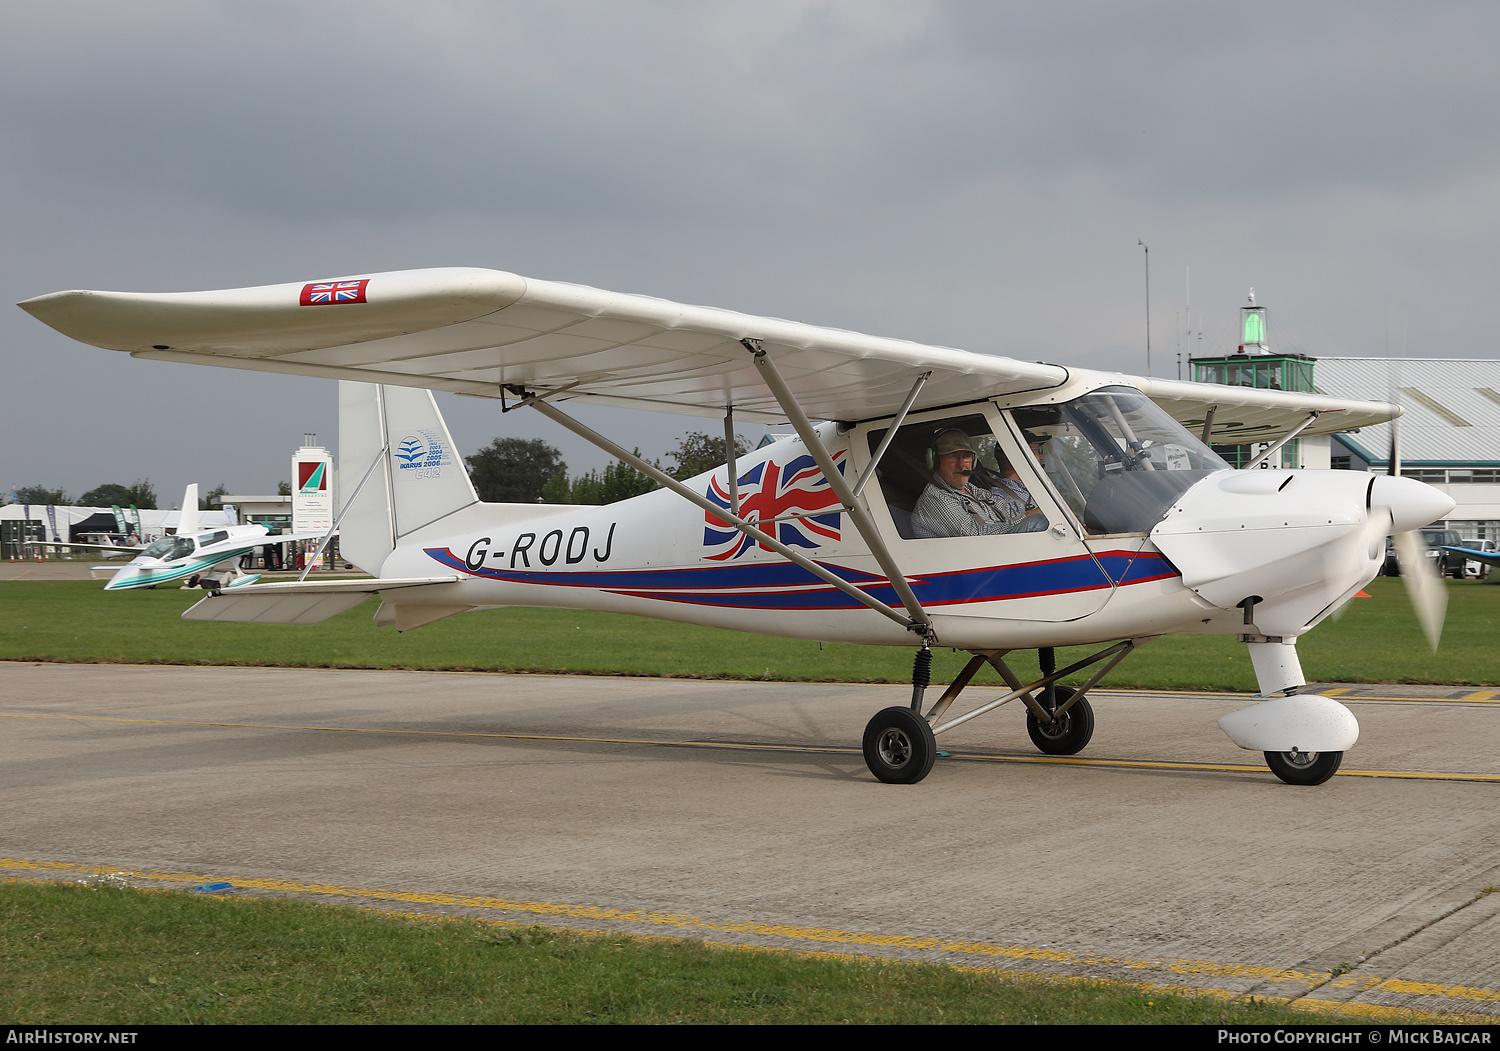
<point x="1377" y="528"/>
<point x="1423" y="586"/>
<point x="1418" y="573"/>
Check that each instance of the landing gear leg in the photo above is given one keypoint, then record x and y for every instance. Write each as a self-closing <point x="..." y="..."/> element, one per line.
<point x="1303" y="736"/>
<point x="1068" y="732"/>
<point x="899" y="746"/>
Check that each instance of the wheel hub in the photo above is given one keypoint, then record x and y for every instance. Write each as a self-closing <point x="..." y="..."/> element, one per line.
<point x="1058" y="727"/>
<point x="895" y="747"/>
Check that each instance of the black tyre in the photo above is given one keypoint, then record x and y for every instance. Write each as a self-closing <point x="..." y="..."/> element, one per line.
<point x="899" y="746"/>
<point x="1067" y="734"/>
<point x="1304" y="768"/>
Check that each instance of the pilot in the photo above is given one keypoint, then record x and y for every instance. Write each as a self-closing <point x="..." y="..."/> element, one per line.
<point x="952" y="506"/>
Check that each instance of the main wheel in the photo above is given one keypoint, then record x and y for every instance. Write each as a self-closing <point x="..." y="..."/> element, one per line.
<point x="1066" y="734"/>
<point x="1304" y="768"/>
<point x="899" y="746"/>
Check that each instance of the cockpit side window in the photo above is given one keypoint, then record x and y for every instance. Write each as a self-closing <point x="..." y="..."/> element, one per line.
<point x="928" y="500"/>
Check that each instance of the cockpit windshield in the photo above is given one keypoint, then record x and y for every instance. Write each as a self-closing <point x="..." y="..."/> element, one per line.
<point x="1116" y="457"/>
<point x="169" y="548"/>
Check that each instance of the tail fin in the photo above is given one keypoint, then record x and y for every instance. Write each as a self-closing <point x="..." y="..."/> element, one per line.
<point x="187" y="519"/>
<point x="395" y="441"/>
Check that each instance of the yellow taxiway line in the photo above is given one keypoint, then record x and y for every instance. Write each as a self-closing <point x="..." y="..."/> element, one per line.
<point x="751" y="746"/>
<point x="536" y="913"/>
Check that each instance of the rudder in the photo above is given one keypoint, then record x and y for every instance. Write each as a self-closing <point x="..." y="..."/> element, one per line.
<point x="415" y="475"/>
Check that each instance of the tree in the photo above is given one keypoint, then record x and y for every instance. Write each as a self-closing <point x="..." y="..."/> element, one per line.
<point x="619" y="481"/>
<point x="141" y="494"/>
<point x="513" y="470"/>
<point x="283" y="488"/>
<point x="105" y="495"/>
<point x="696" y="452"/>
<point x="558" y="490"/>
<point x="214" y="498"/>
<point x="40" y="494"/>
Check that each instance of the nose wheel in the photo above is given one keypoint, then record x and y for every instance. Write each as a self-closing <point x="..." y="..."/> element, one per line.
<point x="899" y="746"/>
<point x="1304" y="768"/>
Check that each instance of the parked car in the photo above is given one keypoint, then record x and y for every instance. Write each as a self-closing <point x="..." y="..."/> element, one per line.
<point x="1478" y="570"/>
<point x="1448" y="563"/>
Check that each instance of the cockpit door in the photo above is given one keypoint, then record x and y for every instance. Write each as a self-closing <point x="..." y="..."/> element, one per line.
<point x="1037" y="570"/>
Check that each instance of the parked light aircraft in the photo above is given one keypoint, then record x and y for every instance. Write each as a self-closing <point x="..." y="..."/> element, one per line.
<point x="1489" y="558"/>
<point x="1138" y="527"/>
<point x="214" y="553"/>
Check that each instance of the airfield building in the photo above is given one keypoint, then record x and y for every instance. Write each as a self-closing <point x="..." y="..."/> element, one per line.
<point x="1448" y="435"/>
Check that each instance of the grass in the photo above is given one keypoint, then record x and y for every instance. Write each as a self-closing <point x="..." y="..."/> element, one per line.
<point x="101" y="954"/>
<point x="1378" y="640"/>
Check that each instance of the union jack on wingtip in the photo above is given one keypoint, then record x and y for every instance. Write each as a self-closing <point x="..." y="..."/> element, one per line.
<point x="324" y="293"/>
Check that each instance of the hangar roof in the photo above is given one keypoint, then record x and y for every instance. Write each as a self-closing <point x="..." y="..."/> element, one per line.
<point x="1452" y="407"/>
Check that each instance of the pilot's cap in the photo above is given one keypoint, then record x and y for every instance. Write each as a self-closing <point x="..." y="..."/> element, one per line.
<point x="953" y="441"/>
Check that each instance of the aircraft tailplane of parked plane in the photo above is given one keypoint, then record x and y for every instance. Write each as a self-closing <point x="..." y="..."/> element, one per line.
<point x="1089" y="508"/>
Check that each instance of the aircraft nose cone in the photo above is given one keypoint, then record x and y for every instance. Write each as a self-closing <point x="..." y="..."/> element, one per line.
<point x="127" y="577"/>
<point x="1412" y="504"/>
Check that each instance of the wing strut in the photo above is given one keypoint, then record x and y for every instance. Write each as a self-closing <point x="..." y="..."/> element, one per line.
<point x="885" y="443"/>
<point x="1312" y="418"/>
<point x="348" y="504"/>
<point x="734" y="475"/>
<point x="1118" y="652"/>
<point x="921" y="623"/>
<point x="555" y="414"/>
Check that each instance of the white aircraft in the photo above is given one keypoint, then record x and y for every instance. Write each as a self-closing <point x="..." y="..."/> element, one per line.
<point x="1133" y="526"/>
<point x="213" y="555"/>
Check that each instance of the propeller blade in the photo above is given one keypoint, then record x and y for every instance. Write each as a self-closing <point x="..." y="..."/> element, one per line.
<point x="1423" y="586"/>
<point x="1377" y="527"/>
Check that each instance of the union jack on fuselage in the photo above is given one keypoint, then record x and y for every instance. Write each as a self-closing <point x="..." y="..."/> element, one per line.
<point x="767" y="491"/>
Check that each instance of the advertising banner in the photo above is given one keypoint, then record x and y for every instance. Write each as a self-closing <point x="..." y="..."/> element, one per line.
<point x="312" y="491"/>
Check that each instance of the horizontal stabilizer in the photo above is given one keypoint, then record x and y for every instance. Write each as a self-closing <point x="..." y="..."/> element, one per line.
<point x="274" y="609"/>
<point x="298" y="603"/>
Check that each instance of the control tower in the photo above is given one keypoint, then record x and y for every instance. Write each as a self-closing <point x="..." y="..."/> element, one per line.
<point x="1254" y="364"/>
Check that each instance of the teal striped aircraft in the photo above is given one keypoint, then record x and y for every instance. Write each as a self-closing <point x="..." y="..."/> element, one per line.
<point x="212" y="556"/>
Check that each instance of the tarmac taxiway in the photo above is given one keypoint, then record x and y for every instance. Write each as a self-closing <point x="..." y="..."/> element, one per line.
<point x="742" y="813"/>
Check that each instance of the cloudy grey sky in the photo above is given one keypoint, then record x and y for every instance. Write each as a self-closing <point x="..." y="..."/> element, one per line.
<point x="968" y="174"/>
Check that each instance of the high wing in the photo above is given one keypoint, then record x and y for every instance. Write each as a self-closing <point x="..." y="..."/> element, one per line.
<point x="275" y="538"/>
<point x="91" y="547"/>
<point x="478" y="332"/>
